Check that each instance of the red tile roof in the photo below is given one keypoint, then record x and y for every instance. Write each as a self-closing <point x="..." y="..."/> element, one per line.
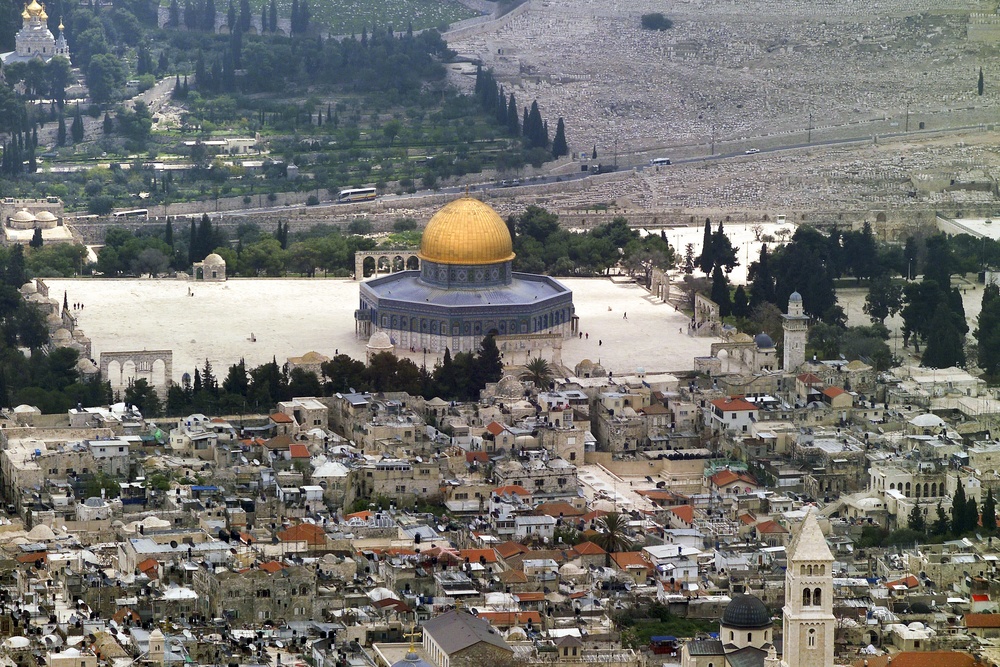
<point x="558" y="509"/>
<point x="511" y="490"/>
<point x="770" y="527"/>
<point x="281" y="418"/>
<point x="626" y="559"/>
<point x="508" y="549"/>
<point x="495" y="429"/>
<point x="535" y="596"/>
<point x="505" y="619"/>
<point x="980" y="597"/>
<point x="150" y="564"/>
<point x="481" y="457"/>
<point x="808" y="378"/>
<point x="34" y="557"/>
<point x="982" y="620"/>
<point x="309" y="533"/>
<point x="589" y="549"/>
<point x="364" y="515"/>
<point x="684" y="512"/>
<point x="298" y="451"/>
<point x="595" y="515"/>
<point x="725" y="477"/>
<point x="734" y="404"/>
<point x="908" y="581"/>
<point x="833" y="392"/>
<point x="271" y="566"/>
<point x="478" y="555"/>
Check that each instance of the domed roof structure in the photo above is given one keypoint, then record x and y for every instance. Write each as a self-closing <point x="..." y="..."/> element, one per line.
<point x="509" y="387"/>
<point x="45" y="216"/>
<point x="795" y="296"/>
<point x="23" y="216"/>
<point x="380" y="341"/>
<point x="214" y="260"/>
<point x="412" y="660"/>
<point x="746" y="612"/>
<point x="763" y="341"/>
<point x="34" y="9"/>
<point x="466" y="232"/>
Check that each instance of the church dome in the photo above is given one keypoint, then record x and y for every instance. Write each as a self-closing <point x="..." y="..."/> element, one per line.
<point x="795" y="296"/>
<point x="466" y="232"/>
<point x="763" y="341"/>
<point x="412" y="660"/>
<point x="746" y="612"/>
<point x="34" y="9"/>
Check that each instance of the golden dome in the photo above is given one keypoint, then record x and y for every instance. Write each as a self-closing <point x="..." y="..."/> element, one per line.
<point x="34" y="9"/>
<point x="466" y="231"/>
<point x="25" y="14"/>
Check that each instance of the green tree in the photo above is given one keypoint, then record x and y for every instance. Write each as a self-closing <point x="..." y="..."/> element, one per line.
<point x="987" y="332"/>
<point x="539" y="372"/>
<point x="761" y="279"/>
<point x="720" y="292"/>
<point x="941" y="525"/>
<point x="105" y="75"/>
<point x="884" y="299"/>
<point x="36" y="238"/>
<point x="61" y="131"/>
<point x="979" y="85"/>
<point x="612" y="535"/>
<point x="559" y="146"/>
<point x="143" y="396"/>
<point x="958" y="511"/>
<point x="916" y="519"/>
<point x="946" y="347"/>
<point x="989" y="518"/>
<point x="76" y="129"/>
<point x="706" y="261"/>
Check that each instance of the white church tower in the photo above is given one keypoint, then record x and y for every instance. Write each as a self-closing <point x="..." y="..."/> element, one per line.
<point x="795" y="325"/>
<point x="808" y="611"/>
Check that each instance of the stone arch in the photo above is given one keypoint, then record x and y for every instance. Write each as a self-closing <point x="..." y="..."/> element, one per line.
<point x="817" y="597"/>
<point x="412" y="263"/>
<point x="398" y="264"/>
<point x="383" y="264"/>
<point x="159" y="373"/>
<point x="907" y="491"/>
<point x="367" y="267"/>
<point x="934" y="489"/>
<point x="806" y="597"/>
<point x="154" y="366"/>
<point x="880" y="217"/>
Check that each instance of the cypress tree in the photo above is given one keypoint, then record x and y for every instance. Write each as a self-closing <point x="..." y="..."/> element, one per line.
<point x="245" y="20"/>
<point x="61" y="131"/>
<point x="958" y="511"/>
<point x="979" y="86"/>
<point x="231" y="16"/>
<point x="990" y="514"/>
<point x="272" y="17"/>
<point x="109" y="125"/>
<point x="36" y="238"/>
<point x="513" y="122"/>
<point x="559" y="147"/>
<point x="193" y="244"/>
<point x="594" y="154"/>
<point x="720" y="292"/>
<point x="76" y="129"/>
<point x="174" y="16"/>
<point x="706" y="260"/>
<point x="208" y="19"/>
<point x="168" y="235"/>
<point x="295" y="20"/>
<point x="741" y="306"/>
<point x="535" y="129"/>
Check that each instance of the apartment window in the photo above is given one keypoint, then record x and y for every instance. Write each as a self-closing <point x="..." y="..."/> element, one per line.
<point x="400" y="488"/>
<point x="425" y="471"/>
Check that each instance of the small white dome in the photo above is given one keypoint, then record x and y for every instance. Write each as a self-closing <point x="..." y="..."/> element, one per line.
<point x="214" y="260"/>
<point x="45" y="216"/>
<point x="380" y="341"/>
<point x="17" y="642"/>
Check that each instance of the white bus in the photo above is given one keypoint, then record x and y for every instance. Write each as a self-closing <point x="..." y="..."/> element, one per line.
<point x="656" y="161"/>
<point x="356" y="194"/>
<point x="134" y="213"/>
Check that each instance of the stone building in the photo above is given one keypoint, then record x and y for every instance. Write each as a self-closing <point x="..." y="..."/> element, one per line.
<point x="270" y="591"/>
<point x="465" y="288"/>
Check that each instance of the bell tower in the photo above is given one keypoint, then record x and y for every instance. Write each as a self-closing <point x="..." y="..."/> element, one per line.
<point x="808" y="612"/>
<point x="795" y="325"/>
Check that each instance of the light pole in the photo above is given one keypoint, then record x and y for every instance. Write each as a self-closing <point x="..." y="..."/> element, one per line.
<point x="907" y="126"/>
<point x="809" y="136"/>
<point x="713" y="140"/>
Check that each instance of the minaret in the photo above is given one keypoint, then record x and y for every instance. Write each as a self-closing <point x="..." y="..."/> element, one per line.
<point x="796" y="327"/>
<point x="808" y="612"/>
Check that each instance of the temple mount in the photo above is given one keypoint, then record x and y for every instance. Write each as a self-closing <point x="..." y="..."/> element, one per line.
<point x="464" y="289"/>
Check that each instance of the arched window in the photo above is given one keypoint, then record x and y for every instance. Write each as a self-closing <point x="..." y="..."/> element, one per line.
<point x="732" y="635"/>
<point x="805" y="597"/>
<point x="892" y="486"/>
<point x="817" y="597"/>
<point x="822" y="570"/>
<point x="802" y="569"/>
<point x="749" y="636"/>
<point x="907" y="491"/>
<point x="812" y="638"/>
<point x="934" y="489"/>
<point x="810" y="570"/>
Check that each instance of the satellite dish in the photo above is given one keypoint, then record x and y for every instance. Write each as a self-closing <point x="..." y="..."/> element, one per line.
<point x="256" y="462"/>
<point x="279" y="644"/>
